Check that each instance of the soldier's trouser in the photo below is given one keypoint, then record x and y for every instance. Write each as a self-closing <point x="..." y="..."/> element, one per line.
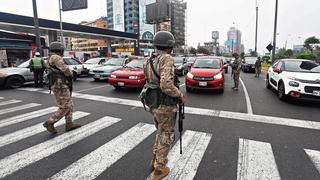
<point x="236" y="77"/>
<point x="65" y="104"/>
<point x="258" y="71"/>
<point x="165" y="120"/>
<point x="38" y="77"/>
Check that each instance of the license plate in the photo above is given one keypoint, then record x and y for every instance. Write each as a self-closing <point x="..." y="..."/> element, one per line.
<point x="203" y="83"/>
<point x="120" y="83"/>
<point x="97" y="76"/>
<point x="316" y="93"/>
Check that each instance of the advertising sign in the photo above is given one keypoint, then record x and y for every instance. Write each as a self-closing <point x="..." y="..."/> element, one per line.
<point x="118" y="15"/>
<point x="69" y="5"/>
<point x="215" y="35"/>
<point x="146" y="30"/>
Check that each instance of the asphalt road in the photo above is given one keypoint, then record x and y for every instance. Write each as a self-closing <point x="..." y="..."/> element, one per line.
<point x="223" y="139"/>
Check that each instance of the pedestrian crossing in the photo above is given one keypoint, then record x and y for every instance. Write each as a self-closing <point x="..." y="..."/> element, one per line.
<point x="256" y="159"/>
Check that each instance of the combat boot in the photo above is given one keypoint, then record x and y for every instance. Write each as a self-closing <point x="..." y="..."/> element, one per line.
<point x="50" y="127"/>
<point x="71" y="126"/>
<point x="152" y="162"/>
<point x="160" y="174"/>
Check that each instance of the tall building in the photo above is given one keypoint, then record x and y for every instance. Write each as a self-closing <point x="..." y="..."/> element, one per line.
<point x="233" y="44"/>
<point x="178" y="21"/>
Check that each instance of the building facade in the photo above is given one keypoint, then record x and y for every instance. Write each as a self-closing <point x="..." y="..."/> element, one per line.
<point x="233" y="44"/>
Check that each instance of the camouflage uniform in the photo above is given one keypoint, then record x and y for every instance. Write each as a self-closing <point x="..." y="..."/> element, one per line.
<point x="164" y="116"/>
<point x="236" y="67"/>
<point x="61" y="92"/>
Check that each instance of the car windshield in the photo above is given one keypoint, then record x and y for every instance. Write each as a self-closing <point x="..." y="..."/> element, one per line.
<point x="114" y="62"/>
<point x="207" y="63"/>
<point x="93" y="61"/>
<point x="250" y="60"/>
<point x="24" y="65"/>
<point x="70" y="61"/>
<point x="302" y="66"/>
<point x="135" y="64"/>
<point x="178" y="60"/>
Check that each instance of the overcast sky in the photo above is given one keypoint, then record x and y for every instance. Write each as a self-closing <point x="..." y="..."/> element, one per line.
<point x="297" y="18"/>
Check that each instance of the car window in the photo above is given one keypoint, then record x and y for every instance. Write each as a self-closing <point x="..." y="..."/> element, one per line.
<point x="279" y="65"/>
<point x="135" y="64"/>
<point x="24" y="65"/>
<point x="275" y="64"/>
<point x="93" y="61"/>
<point x="302" y="66"/>
<point x="115" y="62"/>
<point x="70" y="61"/>
<point x="207" y="63"/>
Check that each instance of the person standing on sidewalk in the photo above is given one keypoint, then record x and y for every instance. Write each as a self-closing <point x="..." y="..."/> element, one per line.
<point x="60" y="85"/>
<point x="236" y="68"/>
<point x="258" y="67"/>
<point x="37" y="66"/>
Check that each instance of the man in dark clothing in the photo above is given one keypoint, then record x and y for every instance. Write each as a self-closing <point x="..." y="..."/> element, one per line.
<point x="258" y="67"/>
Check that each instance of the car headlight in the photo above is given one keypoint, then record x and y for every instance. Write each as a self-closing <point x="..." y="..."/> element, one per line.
<point x="218" y="76"/>
<point x="133" y="77"/>
<point x="113" y="76"/>
<point x="294" y="84"/>
<point x="189" y="75"/>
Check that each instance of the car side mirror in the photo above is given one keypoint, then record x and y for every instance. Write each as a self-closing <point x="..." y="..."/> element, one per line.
<point x="276" y="70"/>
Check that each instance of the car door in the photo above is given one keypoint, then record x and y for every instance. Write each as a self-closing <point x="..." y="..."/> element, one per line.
<point x="271" y="74"/>
<point x="276" y="74"/>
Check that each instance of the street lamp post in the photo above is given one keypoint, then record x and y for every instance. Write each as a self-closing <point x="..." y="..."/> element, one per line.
<point x="256" y="36"/>
<point x="61" y="31"/>
<point x="275" y="33"/>
<point x="36" y="25"/>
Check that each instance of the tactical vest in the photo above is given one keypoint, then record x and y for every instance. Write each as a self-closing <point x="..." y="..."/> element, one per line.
<point x="151" y="94"/>
<point x="37" y="63"/>
<point x="53" y="74"/>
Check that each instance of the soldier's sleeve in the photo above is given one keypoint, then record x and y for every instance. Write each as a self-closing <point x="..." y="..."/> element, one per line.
<point x="167" y="78"/>
<point x="58" y="62"/>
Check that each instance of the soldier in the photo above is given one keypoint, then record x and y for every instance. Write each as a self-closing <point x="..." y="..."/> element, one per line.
<point x="37" y="66"/>
<point x="60" y="84"/>
<point x="258" y="67"/>
<point x="236" y="68"/>
<point x="161" y="78"/>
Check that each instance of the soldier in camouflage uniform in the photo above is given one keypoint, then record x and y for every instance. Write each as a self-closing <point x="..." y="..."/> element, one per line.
<point x="160" y="74"/>
<point x="60" y="89"/>
<point x="236" y="69"/>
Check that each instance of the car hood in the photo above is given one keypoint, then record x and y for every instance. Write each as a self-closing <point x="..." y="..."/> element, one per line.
<point x="204" y="72"/>
<point x="9" y="71"/>
<point x="303" y="76"/>
<point x="90" y="66"/>
<point x="107" y="68"/>
<point x="129" y="72"/>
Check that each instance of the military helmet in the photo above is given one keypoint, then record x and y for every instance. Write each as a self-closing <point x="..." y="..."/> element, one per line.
<point x="56" y="46"/>
<point x="164" y="39"/>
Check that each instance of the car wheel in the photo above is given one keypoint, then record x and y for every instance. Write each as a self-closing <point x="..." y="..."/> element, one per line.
<point x="268" y="86"/>
<point x="221" y="91"/>
<point x="188" y="89"/>
<point x="74" y="74"/>
<point x="116" y="87"/>
<point x="226" y="71"/>
<point x="96" y="79"/>
<point x="14" y="82"/>
<point x="281" y="92"/>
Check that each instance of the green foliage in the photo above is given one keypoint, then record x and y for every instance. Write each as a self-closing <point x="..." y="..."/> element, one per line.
<point x="309" y="56"/>
<point x="193" y="50"/>
<point x="311" y="41"/>
<point x="203" y="50"/>
<point x="242" y="55"/>
<point x="288" y="53"/>
<point x="266" y="59"/>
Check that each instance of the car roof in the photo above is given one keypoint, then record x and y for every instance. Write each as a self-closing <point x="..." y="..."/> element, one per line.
<point x="285" y="60"/>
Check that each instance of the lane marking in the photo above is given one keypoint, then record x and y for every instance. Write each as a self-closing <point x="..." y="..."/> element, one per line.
<point x="91" y="88"/>
<point x="299" y="123"/>
<point x="182" y="85"/>
<point x="33" y="130"/>
<point x="314" y="157"/>
<point x="92" y="165"/>
<point x="35" y="153"/>
<point x="1" y="98"/>
<point x="9" y="102"/>
<point x="184" y="167"/>
<point x="249" y="106"/>
<point x="256" y="161"/>
<point x="26" y="116"/>
<point x="31" y="89"/>
<point x="18" y="108"/>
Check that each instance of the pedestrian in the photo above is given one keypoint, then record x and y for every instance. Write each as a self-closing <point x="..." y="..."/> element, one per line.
<point x="60" y="85"/>
<point x="236" y="69"/>
<point x="258" y="67"/>
<point x="37" y="66"/>
<point x="159" y="70"/>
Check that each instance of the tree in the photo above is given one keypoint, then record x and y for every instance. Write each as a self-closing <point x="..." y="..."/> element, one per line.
<point x="309" y="56"/>
<point x="311" y="41"/>
<point x="203" y="50"/>
<point x="281" y="54"/>
<point x="288" y="53"/>
<point x="193" y="50"/>
<point x="242" y="55"/>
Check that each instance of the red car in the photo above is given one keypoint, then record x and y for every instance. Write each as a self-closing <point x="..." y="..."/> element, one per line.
<point x="132" y="75"/>
<point x="206" y="73"/>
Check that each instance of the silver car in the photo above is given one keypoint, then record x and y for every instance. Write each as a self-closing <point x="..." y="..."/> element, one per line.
<point x="103" y="72"/>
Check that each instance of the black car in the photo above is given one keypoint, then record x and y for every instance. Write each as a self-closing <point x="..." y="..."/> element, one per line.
<point x="181" y="65"/>
<point x="248" y="64"/>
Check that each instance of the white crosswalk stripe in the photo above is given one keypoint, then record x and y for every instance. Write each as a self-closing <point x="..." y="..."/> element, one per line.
<point x="184" y="167"/>
<point x="26" y="116"/>
<point x="9" y="102"/>
<point x="35" y="129"/>
<point x="35" y="153"/>
<point x="314" y="157"/>
<point x="93" y="164"/>
<point x="1" y="98"/>
<point x="256" y="161"/>
<point x="18" y="108"/>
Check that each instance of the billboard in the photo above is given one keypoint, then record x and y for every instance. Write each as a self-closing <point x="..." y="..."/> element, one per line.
<point x="69" y="5"/>
<point x="146" y="30"/>
<point x="118" y="15"/>
<point x="158" y="12"/>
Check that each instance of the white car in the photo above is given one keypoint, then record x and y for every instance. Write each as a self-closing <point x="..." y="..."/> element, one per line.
<point x="75" y="66"/>
<point x="295" y="78"/>
<point x="103" y="72"/>
<point x="94" y="62"/>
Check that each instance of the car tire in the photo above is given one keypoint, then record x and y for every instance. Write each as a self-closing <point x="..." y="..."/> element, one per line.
<point x="14" y="82"/>
<point x="96" y="79"/>
<point x="268" y="86"/>
<point x="116" y="87"/>
<point x="281" y="92"/>
<point x="226" y="71"/>
<point x="188" y="89"/>
<point x="221" y="91"/>
<point x="74" y="74"/>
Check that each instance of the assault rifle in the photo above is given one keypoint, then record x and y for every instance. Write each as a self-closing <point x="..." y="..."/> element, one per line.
<point x="70" y="84"/>
<point x="180" y="123"/>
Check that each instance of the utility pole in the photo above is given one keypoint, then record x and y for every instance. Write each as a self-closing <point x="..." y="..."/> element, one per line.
<point x="256" y="38"/>
<point x="36" y="25"/>
<point x="275" y="33"/>
<point x="61" y="31"/>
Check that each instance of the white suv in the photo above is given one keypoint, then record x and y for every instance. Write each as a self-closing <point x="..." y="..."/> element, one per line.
<point x="297" y="78"/>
